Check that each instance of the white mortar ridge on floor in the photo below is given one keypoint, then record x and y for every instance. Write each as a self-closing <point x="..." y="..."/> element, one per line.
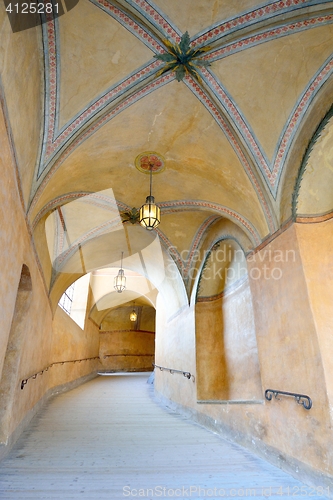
<point x="108" y="439"/>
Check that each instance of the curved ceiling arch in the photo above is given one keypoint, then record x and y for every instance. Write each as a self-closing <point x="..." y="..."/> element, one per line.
<point x="220" y="230"/>
<point x="150" y="262"/>
<point x="53" y="139"/>
<point x="98" y="311"/>
<point x="74" y="251"/>
<point x="314" y="186"/>
<point x="167" y="207"/>
<point x="219" y="275"/>
<point x="305" y="137"/>
<point x="233" y="130"/>
<point x="118" y="320"/>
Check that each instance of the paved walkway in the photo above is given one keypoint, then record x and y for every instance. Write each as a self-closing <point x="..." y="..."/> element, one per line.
<point x="108" y="439"/>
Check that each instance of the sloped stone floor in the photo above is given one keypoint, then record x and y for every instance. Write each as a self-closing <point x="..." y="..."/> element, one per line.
<point x="108" y="439"/>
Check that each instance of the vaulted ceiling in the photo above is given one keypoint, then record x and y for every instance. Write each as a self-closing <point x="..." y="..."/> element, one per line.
<point x="86" y="95"/>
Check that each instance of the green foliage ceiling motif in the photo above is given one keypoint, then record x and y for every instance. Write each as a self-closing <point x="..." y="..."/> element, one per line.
<point x="182" y="59"/>
<point x="131" y="216"/>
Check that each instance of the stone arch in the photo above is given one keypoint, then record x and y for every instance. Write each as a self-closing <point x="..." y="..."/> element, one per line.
<point x="226" y="347"/>
<point x="12" y="359"/>
<point x="320" y="108"/>
<point x="312" y="195"/>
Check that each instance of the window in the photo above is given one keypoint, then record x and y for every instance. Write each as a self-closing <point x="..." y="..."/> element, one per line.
<point x="66" y="299"/>
<point x="74" y="300"/>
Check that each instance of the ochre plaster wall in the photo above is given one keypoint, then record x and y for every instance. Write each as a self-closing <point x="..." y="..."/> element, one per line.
<point x="41" y="341"/>
<point x="290" y="359"/>
<point x="175" y="348"/>
<point x="70" y="343"/>
<point x="226" y="348"/>
<point x="316" y="244"/>
<point x="16" y="250"/>
<point x="127" y="350"/>
<point x="119" y="319"/>
<point x="21" y="79"/>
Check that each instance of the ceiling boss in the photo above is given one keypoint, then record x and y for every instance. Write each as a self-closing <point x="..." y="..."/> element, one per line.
<point x="182" y="59"/>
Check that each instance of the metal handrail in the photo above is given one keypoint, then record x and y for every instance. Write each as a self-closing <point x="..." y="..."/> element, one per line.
<point x="126" y="355"/>
<point x="34" y="376"/>
<point x="301" y="399"/>
<point x="172" y="370"/>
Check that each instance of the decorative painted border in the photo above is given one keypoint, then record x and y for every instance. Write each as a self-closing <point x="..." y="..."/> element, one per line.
<point x="314" y="219"/>
<point x="156" y="17"/>
<point x="180" y="205"/>
<point x="166" y="208"/>
<point x="236" y="116"/>
<point x="90" y="130"/>
<point x="272" y="173"/>
<point x="52" y="141"/>
<point x="132" y="25"/>
<point x="297" y="115"/>
<point x="100" y="103"/>
<point x="50" y="75"/>
<point x="149" y="69"/>
<point x="203" y="264"/>
<point x="94" y="199"/>
<point x="266" y="36"/>
<point x="215" y="112"/>
<point x="197" y="240"/>
<point x="139" y="31"/>
<point x="262" y="13"/>
<point x="305" y="160"/>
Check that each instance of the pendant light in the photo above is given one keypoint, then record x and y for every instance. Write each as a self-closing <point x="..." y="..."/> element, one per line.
<point x="119" y="283"/>
<point x="133" y="315"/>
<point x="150" y="213"/>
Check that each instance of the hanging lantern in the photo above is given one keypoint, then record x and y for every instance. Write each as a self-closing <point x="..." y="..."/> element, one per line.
<point x="119" y="283"/>
<point x="133" y="316"/>
<point x="150" y="213"/>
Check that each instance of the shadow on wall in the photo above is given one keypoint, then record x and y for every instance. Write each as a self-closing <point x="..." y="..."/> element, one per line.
<point x="11" y="364"/>
<point x="226" y="346"/>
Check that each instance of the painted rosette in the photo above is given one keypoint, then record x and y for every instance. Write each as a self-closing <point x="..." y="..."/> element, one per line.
<point x="150" y="161"/>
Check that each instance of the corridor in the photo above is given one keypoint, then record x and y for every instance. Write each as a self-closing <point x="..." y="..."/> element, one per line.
<point x="109" y="439"/>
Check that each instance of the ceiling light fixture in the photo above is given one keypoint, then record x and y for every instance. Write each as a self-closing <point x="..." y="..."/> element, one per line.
<point x="119" y="283"/>
<point x="133" y="315"/>
<point x="150" y="213"/>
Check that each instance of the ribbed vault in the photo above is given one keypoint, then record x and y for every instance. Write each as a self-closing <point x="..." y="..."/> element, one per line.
<point x="232" y="133"/>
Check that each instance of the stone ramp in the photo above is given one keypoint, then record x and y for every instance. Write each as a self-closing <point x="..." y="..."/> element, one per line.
<point x="108" y="439"/>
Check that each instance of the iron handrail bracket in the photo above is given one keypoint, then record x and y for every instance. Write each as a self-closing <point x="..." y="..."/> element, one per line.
<point x="301" y="399"/>
<point x="188" y="375"/>
<point x="34" y="376"/>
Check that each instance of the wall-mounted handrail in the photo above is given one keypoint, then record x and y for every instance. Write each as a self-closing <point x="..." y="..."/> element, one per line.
<point x="34" y="376"/>
<point x="301" y="399"/>
<point x="172" y="370"/>
<point x="127" y="355"/>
